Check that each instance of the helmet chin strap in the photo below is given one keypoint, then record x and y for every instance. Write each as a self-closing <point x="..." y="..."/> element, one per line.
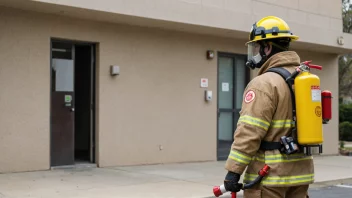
<point x="252" y="63"/>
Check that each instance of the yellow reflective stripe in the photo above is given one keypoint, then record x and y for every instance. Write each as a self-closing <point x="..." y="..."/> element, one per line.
<point x="280" y="180"/>
<point x="239" y="157"/>
<point x="282" y="123"/>
<point x="281" y="158"/>
<point x="255" y="121"/>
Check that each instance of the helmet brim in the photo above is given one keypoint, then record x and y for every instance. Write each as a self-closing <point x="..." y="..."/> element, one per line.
<point x="292" y="37"/>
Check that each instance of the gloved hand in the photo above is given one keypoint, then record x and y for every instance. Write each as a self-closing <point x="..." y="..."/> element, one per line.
<point x="231" y="182"/>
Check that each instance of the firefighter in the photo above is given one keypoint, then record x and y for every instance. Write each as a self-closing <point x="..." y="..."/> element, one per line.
<point x="265" y="117"/>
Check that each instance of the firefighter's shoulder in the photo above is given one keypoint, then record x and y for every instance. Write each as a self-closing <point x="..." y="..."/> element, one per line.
<point x="267" y="83"/>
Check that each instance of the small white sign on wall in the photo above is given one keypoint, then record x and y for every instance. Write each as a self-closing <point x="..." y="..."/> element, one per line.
<point x="225" y="87"/>
<point x="203" y="82"/>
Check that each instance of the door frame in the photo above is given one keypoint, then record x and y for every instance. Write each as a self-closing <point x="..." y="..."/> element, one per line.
<point x="247" y="79"/>
<point x="94" y="47"/>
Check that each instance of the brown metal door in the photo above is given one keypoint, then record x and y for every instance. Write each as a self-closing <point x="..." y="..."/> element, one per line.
<point x="62" y="112"/>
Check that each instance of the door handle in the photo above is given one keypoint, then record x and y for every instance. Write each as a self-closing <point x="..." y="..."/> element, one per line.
<point x="72" y="109"/>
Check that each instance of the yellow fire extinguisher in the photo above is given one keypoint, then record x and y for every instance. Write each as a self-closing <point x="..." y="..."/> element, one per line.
<point x="311" y="108"/>
<point x="308" y="105"/>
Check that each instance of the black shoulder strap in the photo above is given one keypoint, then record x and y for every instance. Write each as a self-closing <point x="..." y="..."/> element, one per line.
<point x="281" y="71"/>
<point x="286" y="75"/>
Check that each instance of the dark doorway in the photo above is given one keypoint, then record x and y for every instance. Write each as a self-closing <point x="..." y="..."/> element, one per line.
<point x="83" y="93"/>
<point x="233" y="77"/>
<point x="72" y="103"/>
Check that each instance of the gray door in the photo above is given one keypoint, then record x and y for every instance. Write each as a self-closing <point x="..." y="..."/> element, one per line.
<point x="232" y="79"/>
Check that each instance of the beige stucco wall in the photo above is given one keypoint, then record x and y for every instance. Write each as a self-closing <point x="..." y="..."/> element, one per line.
<point x="157" y="99"/>
<point x="305" y="17"/>
<point x="229" y="18"/>
<point x="24" y="101"/>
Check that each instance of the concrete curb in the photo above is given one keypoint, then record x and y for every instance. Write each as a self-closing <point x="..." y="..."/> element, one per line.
<point x="315" y="185"/>
<point x="330" y="183"/>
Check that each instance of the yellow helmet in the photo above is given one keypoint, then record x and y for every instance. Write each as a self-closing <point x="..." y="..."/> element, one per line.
<point x="270" y="27"/>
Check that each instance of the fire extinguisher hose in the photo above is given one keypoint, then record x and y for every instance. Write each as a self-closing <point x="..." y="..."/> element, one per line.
<point x="219" y="190"/>
<point x="252" y="183"/>
<point x="262" y="173"/>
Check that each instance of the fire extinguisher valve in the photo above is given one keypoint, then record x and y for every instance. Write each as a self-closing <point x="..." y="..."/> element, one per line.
<point x="307" y="63"/>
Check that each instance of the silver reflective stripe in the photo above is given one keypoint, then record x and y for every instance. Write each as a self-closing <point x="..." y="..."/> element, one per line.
<point x="280" y="180"/>
<point x="255" y="121"/>
<point x="240" y="157"/>
<point x="282" y="123"/>
<point x="281" y="158"/>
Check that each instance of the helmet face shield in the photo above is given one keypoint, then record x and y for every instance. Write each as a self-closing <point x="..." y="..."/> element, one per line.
<point x="253" y="52"/>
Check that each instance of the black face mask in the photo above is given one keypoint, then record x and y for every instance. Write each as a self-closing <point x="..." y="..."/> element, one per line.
<point x="253" y="62"/>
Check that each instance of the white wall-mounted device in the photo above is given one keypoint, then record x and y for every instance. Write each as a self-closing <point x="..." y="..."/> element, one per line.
<point x="114" y="70"/>
<point x="208" y="95"/>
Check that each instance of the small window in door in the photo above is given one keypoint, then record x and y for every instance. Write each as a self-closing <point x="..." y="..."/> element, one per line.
<point x="62" y="69"/>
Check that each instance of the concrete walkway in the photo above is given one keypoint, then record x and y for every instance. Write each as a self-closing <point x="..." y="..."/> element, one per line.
<point x="171" y="180"/>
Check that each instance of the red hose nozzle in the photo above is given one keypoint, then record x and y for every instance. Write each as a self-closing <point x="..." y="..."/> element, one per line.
<point x="217" y="191"/>
<point x="264" y="171"/>
<point x="220" y="190"/>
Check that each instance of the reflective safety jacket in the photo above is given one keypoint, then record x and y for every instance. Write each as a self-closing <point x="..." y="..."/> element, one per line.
<point x="266" y="114"/>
